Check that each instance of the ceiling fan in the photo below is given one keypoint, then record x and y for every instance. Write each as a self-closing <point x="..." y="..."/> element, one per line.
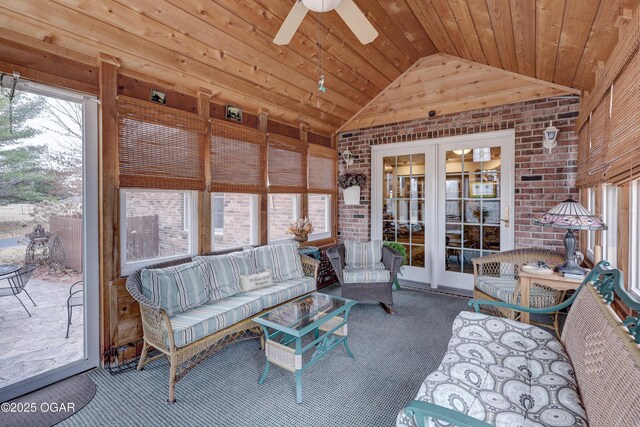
<point x="347" y="9"/>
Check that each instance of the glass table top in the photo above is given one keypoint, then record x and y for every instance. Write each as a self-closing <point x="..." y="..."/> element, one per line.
<point x="304" y="311"/>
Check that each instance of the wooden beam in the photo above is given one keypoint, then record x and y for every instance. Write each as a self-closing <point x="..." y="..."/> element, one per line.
<point x="204" y="199"/>
<point x="263" y="214"/>
<point x="109" y="197"/>
<point x="304" y="129"/>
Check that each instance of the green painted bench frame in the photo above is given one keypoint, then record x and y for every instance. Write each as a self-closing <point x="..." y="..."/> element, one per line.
<point x="607" y="280"/>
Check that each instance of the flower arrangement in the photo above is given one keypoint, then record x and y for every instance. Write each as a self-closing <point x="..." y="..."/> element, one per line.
<point x="349" y="179"/>
<point x="300" y="229"/>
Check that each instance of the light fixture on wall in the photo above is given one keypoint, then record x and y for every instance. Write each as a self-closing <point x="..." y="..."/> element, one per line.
<point x="462" y="152"/>
<point x="550" y="135"/>
<point x="347" y="157"/>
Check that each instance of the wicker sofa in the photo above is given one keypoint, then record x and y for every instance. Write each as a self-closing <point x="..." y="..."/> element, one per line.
<point x="367" y="291"/>
<point x="189" y="337"/>
<point x="500" y="372"/>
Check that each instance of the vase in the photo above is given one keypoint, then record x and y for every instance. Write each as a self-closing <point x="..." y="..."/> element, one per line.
<point x="300" y="239"/>
<point x="351" y="195"/>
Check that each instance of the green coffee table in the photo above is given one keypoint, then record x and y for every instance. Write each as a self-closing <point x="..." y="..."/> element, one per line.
<point x="317" y="319"/>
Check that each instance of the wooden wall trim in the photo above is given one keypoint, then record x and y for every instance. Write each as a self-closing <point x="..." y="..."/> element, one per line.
<point x="263" y="221"/>
<point x="109" y="197"/>
<point x="204" y="199"/>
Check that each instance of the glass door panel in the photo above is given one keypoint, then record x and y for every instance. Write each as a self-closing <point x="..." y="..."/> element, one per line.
<point x="472" y="203"/>
<point x="403" y="207"/>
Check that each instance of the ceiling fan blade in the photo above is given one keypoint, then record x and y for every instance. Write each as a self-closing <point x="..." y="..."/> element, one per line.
<point x="357" y="21"/>
<point x="291" y="23"/>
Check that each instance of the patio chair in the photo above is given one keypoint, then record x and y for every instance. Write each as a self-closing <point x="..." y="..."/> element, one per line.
<point x="76" y="299"/>
<point x="17" y="283"/>
<point x="368" y="289"/>
<point x="496" y="279"/>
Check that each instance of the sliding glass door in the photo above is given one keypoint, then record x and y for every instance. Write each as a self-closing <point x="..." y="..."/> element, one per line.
<point x="48" y="235"/>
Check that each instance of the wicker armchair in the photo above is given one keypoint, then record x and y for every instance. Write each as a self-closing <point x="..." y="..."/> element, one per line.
<point x="376" y="291"/>
<point x="158" y="332"/>
<point x="496" y="278"/>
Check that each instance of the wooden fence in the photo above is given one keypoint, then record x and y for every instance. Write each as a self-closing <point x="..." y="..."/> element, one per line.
<point x="143" y="237"/>
<point x="143" y="240"/>
<point x="69" y="230"/>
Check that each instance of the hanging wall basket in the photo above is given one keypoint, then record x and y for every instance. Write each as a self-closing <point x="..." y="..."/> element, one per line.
<point x="351" y="195"/>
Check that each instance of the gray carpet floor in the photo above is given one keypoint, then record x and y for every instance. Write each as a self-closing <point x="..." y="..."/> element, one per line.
<point x="393" y="355"/>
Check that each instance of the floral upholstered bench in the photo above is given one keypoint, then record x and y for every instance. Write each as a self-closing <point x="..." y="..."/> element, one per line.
<point x="500" y="372"/>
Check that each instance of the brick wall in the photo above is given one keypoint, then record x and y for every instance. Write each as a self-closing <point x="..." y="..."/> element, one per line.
<point x="169" y="207"/>
<point x="236" y="220"/>
<point x="317" y="212"/>
<point x="281" y="213"/>
<point x="553" y="174"/>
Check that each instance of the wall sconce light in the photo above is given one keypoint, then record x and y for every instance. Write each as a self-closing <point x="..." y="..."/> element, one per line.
<point x="348" y="157"/>
<point x="550" y="135"/>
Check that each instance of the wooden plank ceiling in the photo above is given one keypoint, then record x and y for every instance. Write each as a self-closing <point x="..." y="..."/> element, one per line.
<point x="449" y="84"/>
<point x="226" y="45"/>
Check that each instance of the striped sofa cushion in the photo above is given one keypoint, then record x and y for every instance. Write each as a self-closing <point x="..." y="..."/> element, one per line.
<point x="178" y="288"/>
<point x="363" y="255"/>
<point x="502" y="288"/>
<point x="225" y="271"/>
<point x="363" y="275"/>
<point x="283" y="261"/>
<point x="283" y="291"/>
<point x="199" y="322"/>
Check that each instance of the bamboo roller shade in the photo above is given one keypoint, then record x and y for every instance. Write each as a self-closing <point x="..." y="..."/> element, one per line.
<point x="323" y="164"/>
<point x="584" y="138"/>
<point x="614" y="148"/>
<point x="286" y="164"/>
<point x="160" y="147"/>
<point x="238" y="158"/>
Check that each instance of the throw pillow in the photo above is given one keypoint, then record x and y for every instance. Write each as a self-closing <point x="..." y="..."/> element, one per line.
<point x="255" y="281"/>
<point x="176" y="289"/>
<point x="283" y="261"/>
<point x="225" y="271"/>
<point x="360" y="255"/>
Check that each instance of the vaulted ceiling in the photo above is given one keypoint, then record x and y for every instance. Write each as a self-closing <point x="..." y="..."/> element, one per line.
<point x="226" y="45"/>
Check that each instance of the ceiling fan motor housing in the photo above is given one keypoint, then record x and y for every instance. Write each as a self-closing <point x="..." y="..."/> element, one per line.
<point x="321" y="5"/>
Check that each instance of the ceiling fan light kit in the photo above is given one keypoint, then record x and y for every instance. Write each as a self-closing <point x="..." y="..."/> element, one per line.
<point x="347" y="9"/>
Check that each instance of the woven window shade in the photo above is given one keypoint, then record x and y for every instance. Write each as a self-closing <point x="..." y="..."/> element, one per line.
<point x="583" y="155"/>
<point x="238" y="158"/>
<point x="600" y="134"/>
<point x="323" y="164"/>
<point x="160" y="147"/>
<point x="287" y="164"/>
<point x="625" y="124"/>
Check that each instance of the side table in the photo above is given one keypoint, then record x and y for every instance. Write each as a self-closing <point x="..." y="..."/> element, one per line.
<point x="554" y="280"/>
<point x="326" y="275"/>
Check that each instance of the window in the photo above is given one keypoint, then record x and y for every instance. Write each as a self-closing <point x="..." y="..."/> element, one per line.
<point x="591" y="234"/>
<point x="156" y="225"/>
<point x="319" y="208"/>
<point x="283" y="208"/>
<point x="235" y="220"/>
<point x="610" y="218"/>
<point x="634" y="238"/>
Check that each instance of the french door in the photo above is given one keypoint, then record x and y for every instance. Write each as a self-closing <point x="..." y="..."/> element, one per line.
<point x="447" y="201"/>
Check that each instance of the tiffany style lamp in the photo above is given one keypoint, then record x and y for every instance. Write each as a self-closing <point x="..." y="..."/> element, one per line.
<point x="572" y="216"/>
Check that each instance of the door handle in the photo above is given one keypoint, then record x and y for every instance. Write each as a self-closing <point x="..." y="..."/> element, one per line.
<point x="506" y="217"/>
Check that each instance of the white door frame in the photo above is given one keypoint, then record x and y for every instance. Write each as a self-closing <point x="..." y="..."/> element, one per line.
<point x="434" y="150"/>
<point x="90" y="267"/>
<point x="378" y="152"/>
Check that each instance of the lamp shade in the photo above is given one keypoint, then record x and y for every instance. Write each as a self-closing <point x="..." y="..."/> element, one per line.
<point x="572" y="215"/>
